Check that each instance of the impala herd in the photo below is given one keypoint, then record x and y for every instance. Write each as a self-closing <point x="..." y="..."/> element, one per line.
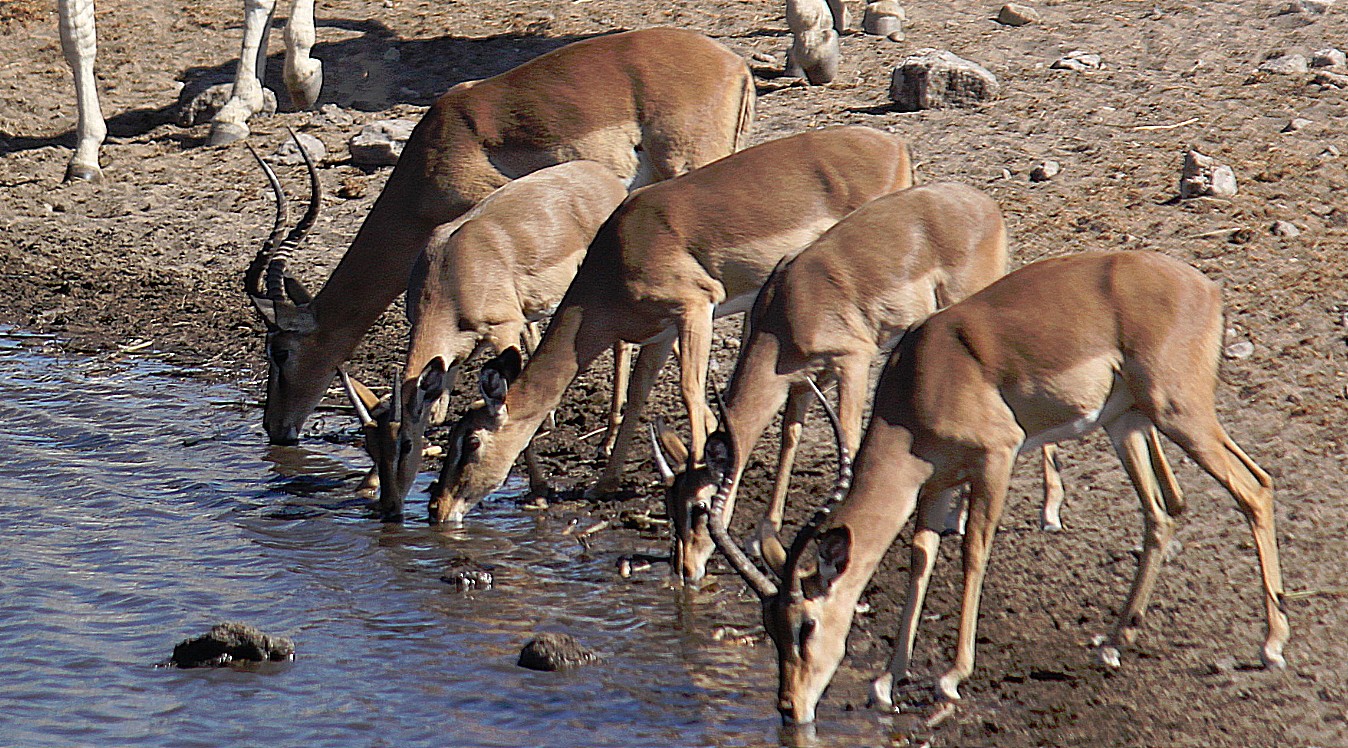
<point x="606" y="185"/>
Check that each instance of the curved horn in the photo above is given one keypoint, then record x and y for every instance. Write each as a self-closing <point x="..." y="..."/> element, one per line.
<point x="356" y="401"/>
<point x="661" y="463"/>
<point x="396" y="412"/>
<point x="252" y="277"/>
<point x="811" y="529"/>
<point x="276" y="266"/>
<point x="740" y="562"/>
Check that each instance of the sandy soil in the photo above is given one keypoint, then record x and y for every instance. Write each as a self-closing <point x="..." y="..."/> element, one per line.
<point x="156" y="254"/>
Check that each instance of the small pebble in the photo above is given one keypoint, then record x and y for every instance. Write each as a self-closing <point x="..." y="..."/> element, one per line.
<point x="1330" y="152"/>
<point x="1297" y="123"/>
<point x="1328" y="58"/>
<point x="1243" y="349"/>
<point x="1077" y="60"/>
<point x="1045" y="171"/>
<point x="1285" y="65"/>
<point x="1285" y="229"/>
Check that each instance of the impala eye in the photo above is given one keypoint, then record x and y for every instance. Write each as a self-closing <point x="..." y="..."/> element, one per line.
<point x="806" y="629"/>
<point x="280" y="355"/>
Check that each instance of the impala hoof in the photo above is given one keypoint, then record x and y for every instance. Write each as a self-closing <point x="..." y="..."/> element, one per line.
<point x="882" y="692"/>
<point x="227" y="132"/>
<point x="1272" y="658"/>
<point x="83" y="173"/>
<point x="948" y="688"/>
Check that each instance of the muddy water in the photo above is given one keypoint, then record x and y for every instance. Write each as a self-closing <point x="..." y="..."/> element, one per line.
<point x="140" y="509"/>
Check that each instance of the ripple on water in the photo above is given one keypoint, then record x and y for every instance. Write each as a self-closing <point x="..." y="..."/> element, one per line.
<point x="139" y="510"/>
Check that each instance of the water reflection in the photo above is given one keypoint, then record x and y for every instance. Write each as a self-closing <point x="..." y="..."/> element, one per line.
<point x="141" y="509"/>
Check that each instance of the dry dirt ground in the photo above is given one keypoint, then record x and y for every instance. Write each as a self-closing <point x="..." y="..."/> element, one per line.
<point x="155" y="254"/>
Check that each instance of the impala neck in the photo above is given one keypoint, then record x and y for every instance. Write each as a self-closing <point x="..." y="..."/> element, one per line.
<point x="560" y="357"/>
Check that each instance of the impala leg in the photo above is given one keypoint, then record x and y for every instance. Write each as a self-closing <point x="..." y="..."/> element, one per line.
<point x="527" y="334"/>
<point x="649" y="361"/>
<point x="1130" y="436"/>
<point x="987" y="497"/>
<point x="1051" y="518"/>
<point x="933" y="508"/>
<point x="245" y="100"/>
<point x="622" y="373"/>
<point x="303" y="75"/>
<point x="840" y="17"/>
<point x="1199" y="434"/>
<point x="530" y="337"/>
<point x="798" y="404"/>
<point x="79" y="43"/>
<point x="694" y="359"/>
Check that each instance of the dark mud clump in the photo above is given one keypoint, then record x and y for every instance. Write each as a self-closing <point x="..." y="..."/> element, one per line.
<point x="230" y="644"/>
<point x="552" y="652"/>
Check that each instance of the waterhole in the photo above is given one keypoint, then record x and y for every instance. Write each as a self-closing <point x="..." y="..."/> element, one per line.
<point x="138" y="509"/>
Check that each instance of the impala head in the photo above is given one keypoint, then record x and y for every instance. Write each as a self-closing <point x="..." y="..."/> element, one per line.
<point x="294" y="387"/>
<point x="395" y="430"/>
<point x="809" y="633"/>
<point x="688" y="495"/>
<point x="472" y="469"/>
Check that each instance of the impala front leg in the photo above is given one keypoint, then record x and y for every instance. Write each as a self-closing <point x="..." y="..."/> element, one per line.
<point x="79" y="43"/>
<point x="987" y="496"/>
<point x="694" y="359"/>
<point x="622" y="373"/>
<point x="649" y="362"/>
<point x="245" y="100"/>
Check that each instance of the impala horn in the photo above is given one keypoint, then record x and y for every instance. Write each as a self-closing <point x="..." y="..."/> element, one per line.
<point x="278" y="281"/>
<point x="357" y="398"/>
<point x="791" y="572"/>
<point x="720" y="535"/>
<point x="252" y="277"/>
<point x="661" y="462"/>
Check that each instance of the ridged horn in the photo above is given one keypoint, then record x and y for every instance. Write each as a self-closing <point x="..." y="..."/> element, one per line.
<point x="791" y="572"/>
<point x="252" y="277"/>
<point x="357" y="401"/>
<point x="276" y="266"/>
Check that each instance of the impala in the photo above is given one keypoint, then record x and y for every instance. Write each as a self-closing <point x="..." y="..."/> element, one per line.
<point x="647" y="104"/>
<point x="1127" y="341"/>
<point x="670" y="259"/>
<point x="480" y="283"/>
<point x="303" y="75"/>
<point x="829" y="311"/>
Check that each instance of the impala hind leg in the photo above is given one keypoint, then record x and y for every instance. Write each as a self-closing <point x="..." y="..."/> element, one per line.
<point x="1132" y="437"/>
<point x="987" y="497"/>
<point x="1051" y="516"/>
<point x="649" y="362"/>
<point x="933" y="508"/>
<point x="1199" y="434"/>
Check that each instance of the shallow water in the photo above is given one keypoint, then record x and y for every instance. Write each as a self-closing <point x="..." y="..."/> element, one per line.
<point x="140" y="509"/>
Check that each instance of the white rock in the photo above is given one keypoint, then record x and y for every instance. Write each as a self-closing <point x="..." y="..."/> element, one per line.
<point x="380" y="143"/>
<point x="289" y="154"/>
<point x="1015" y="14"/>
<point x="1079" y="60"/>
<point x="1310" y="7"/>
<point x="1285" y="65"/>
<point x="1243" y="349"/>
<point x="331" y="115"/>
<point x="1297" y="123"/>
<point x="1203" y="175"/>
<point x="883" y="18"/>
<point x="1285" y="229"/>
<point x="933" y="79"/>
<point x="1329" y="58"/>
<point x="1045" y="171"/>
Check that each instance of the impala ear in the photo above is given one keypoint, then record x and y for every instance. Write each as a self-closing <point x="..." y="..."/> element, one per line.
<point x="297" y="292"/>
<point x="430" y="386"/>
<point x="672" y="444"/>
<point x="497" y="376"/>
<point x="266" y="309"/>
<point x="835" y="553"/>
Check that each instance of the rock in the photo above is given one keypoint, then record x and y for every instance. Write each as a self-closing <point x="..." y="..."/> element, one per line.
<point x="1015" y="14"/>
<point x="465" y="574"/>
<point x="552" y="652"/>
<point x="231" y="643"/>
<point x="1296" y="123"/>
<point x="1309" y="7"/>
<point x="331" y="114"/>
<point x="1285" y="65"/>
<point x="1203" y="175"/>
<point x="1330" y="152"/>
<point x="198" y="104"/>
<point x="380" y="143"/>
<point x="289" y="154"/>
<point x="1328" y="58"/>
<point x="1331" y="80"/>
<point x="1045" y="171"/>
<point x="933" y="79"/>
<point x="1285" y="229"/>
<point x="884" y="18"/>
<point x="1079" y="60"/>
<point x="1243" y="349"/>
